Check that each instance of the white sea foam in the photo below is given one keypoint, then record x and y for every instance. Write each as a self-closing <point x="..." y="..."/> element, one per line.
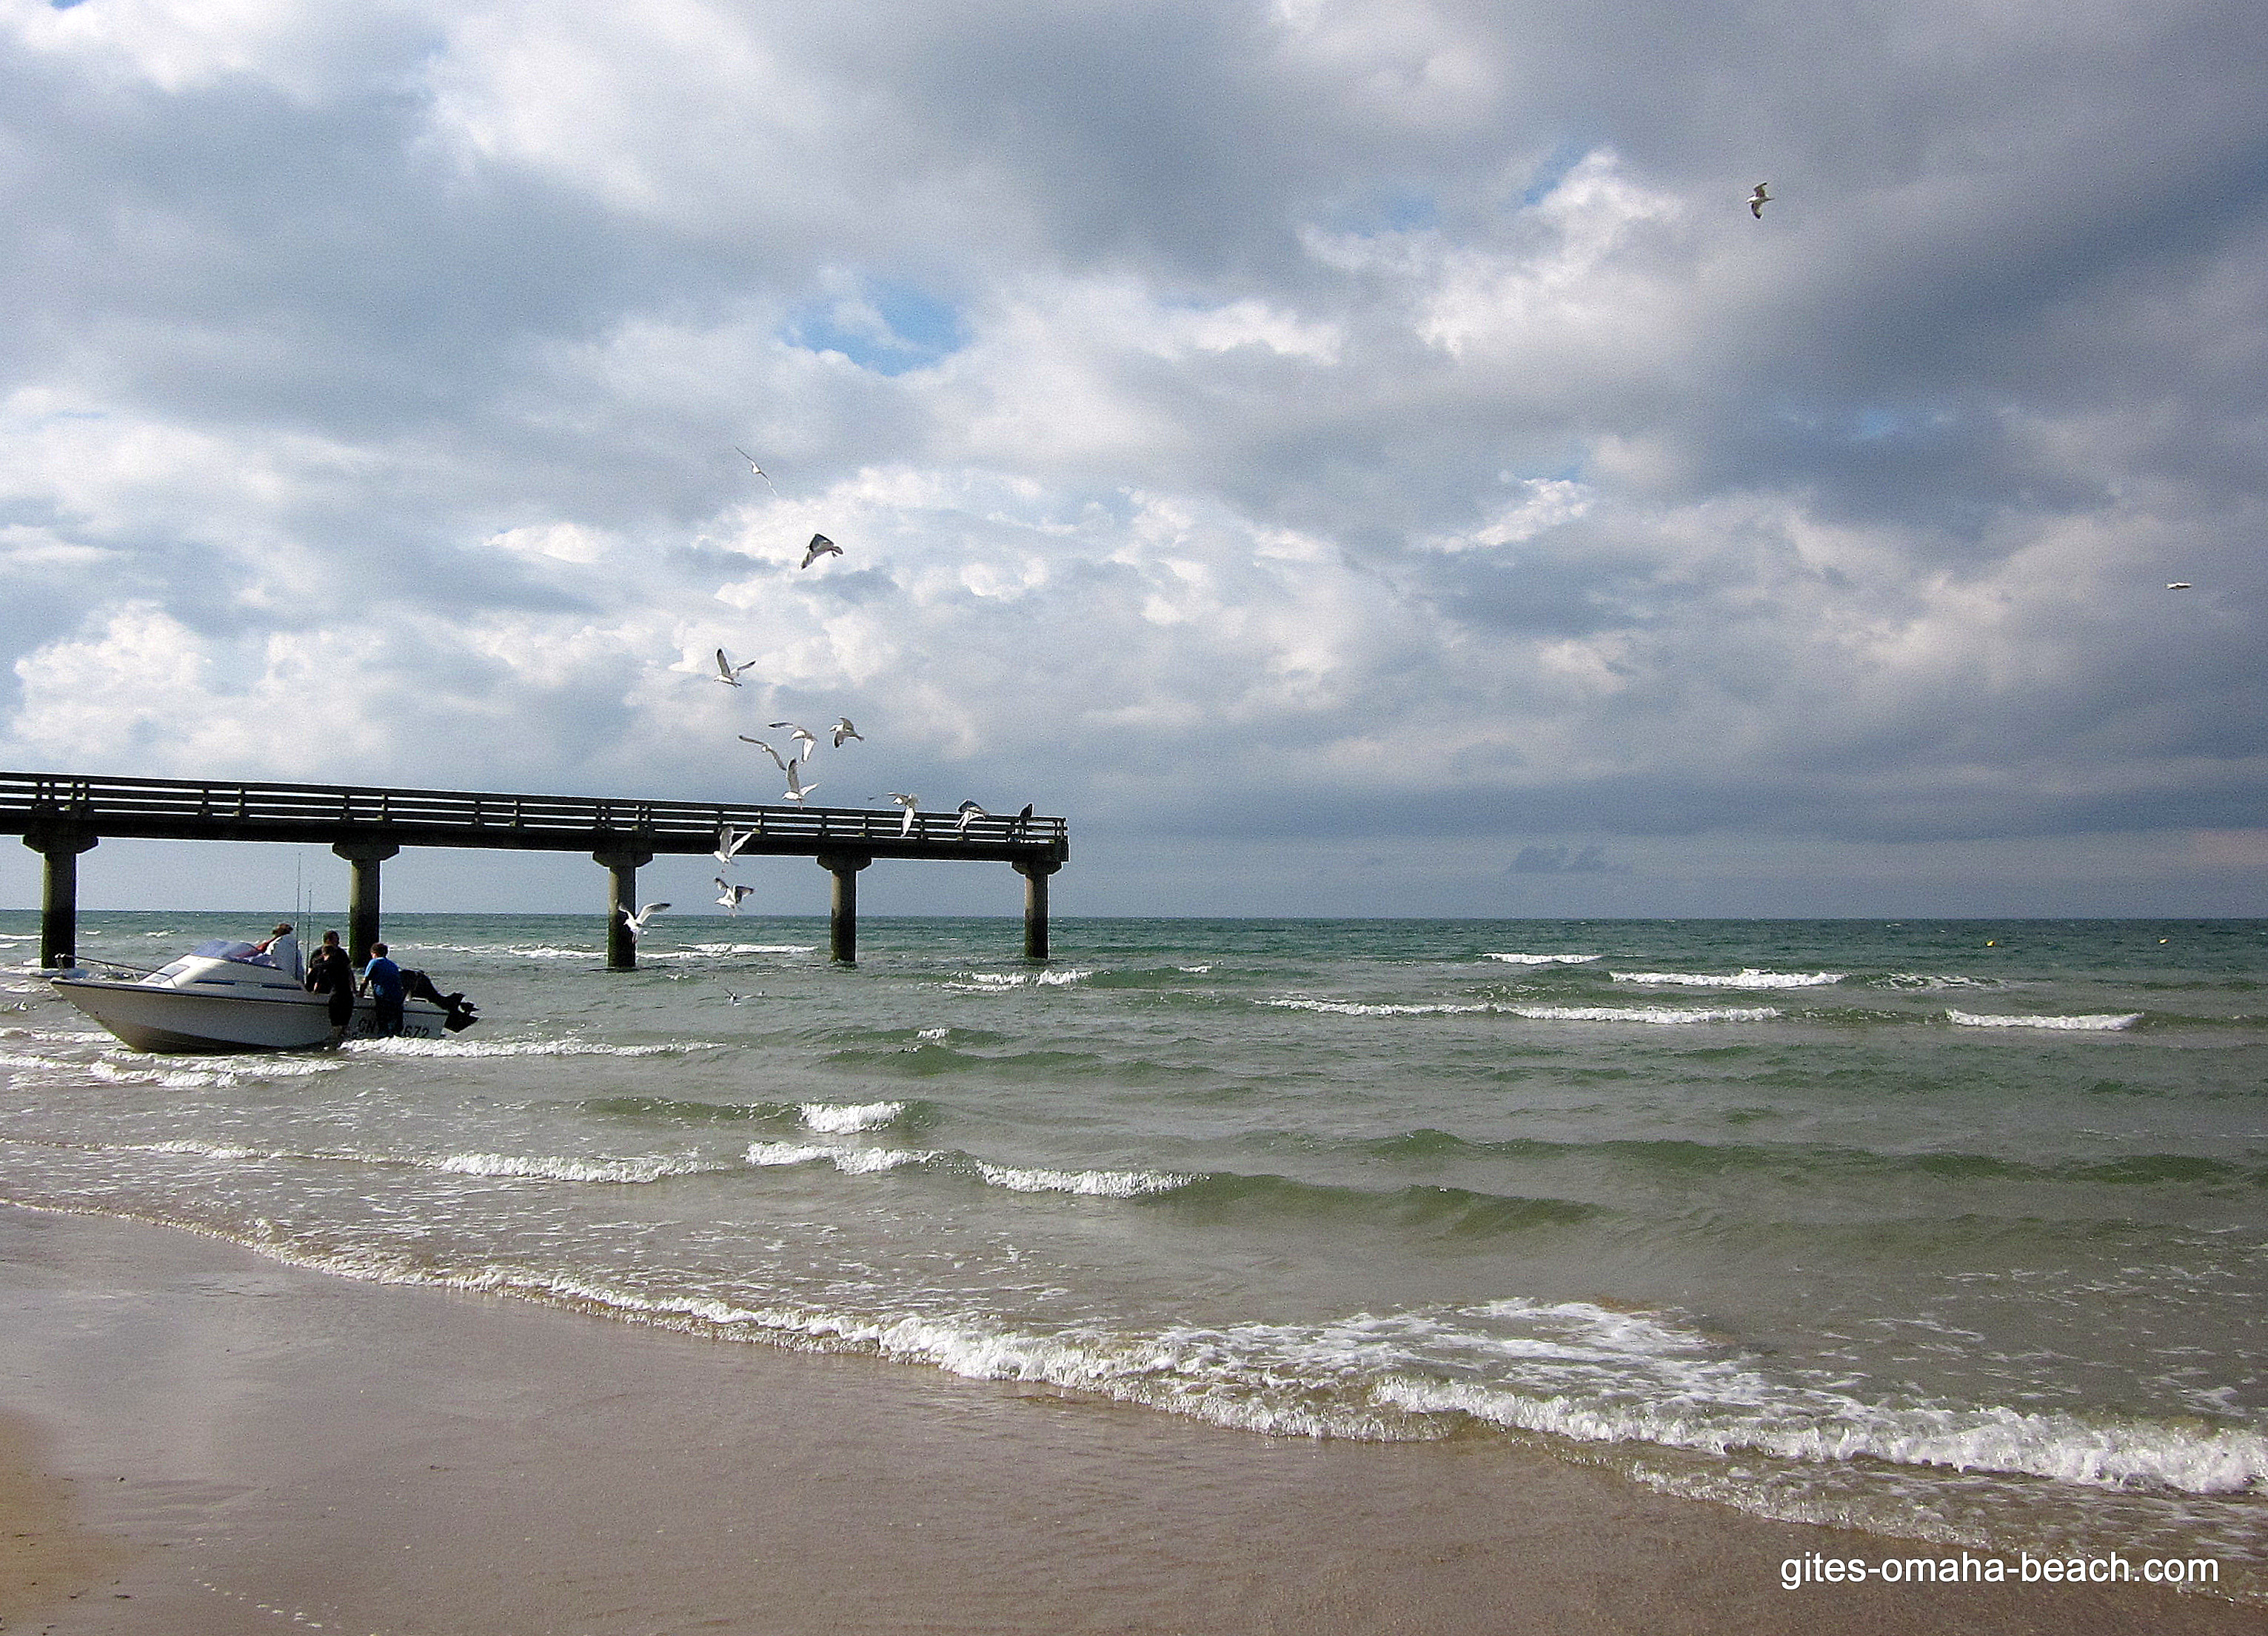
<point x="1657" y="1016"/>
<point x="1748" y="977"/>
<point x="515" y="1166"/>
<point x="520" y="1048"/>
<point x="843" y="1118"/>
<point x="506" y="951"/>
<point x="710" y="951"/>
<point x="1569" y="1369"/>
<point x="2101" y="1022"/>
<point x="199" y="1150"/>
<point x="787" y="1153"/>
<point x="1660" y="1016"/>
<point x="932" y="1034"/>
<point x="1012" y="1178"/>
<point x="1544" y="960"/>
<point x="849" y="1160"/>
<point x="1001" y="981"/>
<point x="167" y="1073"/>
<point x="1194" y="970"/>
<point x="1360" y="1008"/>
<point x="1092" y="1183"/>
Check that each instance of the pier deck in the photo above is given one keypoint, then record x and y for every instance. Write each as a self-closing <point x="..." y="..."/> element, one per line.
<point x="60" y="817"/>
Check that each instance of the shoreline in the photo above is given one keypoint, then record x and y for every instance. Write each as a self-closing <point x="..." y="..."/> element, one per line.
<point x="201" y="1440"/>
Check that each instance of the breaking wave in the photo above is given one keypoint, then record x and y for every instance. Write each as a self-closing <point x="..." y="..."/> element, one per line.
<point x="2104" y="1022"/>
<point x="1748" y="977"/>
<point x="1654" y="1015"/>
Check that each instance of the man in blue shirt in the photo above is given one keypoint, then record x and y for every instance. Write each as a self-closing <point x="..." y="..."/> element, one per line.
<point x="381" y="980"/>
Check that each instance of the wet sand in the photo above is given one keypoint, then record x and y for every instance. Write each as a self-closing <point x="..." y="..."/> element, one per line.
<point x="199" y="1441"/>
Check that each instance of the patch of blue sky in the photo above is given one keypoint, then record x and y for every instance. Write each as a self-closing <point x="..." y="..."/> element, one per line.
<point x="1551" y="171"/>
<point x="888" y="328"/>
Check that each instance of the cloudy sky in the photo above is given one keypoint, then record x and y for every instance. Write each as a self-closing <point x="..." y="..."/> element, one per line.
<point x="1348" y="456"/>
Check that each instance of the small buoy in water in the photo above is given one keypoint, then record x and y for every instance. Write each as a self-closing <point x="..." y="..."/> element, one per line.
<point x="1990" y="942"/>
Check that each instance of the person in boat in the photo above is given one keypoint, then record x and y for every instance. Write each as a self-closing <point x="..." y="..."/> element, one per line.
<point x="331" y="972"/>
<point x="381" y="980"/>
<point x="281" y="950"/>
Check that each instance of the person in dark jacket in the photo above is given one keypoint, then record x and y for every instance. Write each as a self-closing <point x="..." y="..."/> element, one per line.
<point x="331" y="972"/>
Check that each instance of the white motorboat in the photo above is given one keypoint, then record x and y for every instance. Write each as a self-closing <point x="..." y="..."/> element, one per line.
<point x="224" y="996"/>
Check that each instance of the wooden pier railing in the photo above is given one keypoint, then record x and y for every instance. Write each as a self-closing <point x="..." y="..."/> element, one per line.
<point x="61" y="815"/>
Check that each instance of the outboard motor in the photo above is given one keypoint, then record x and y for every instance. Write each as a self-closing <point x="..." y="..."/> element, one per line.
<point x="417" y="985"/>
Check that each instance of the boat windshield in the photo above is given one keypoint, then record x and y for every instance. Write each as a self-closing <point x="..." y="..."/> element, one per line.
<point x="212" y="948"/>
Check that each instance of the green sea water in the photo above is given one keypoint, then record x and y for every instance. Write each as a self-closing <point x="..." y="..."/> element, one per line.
<point x="1949" y="1231"/>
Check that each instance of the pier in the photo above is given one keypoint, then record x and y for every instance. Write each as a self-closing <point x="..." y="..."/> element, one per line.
<point x="59" y="817"/>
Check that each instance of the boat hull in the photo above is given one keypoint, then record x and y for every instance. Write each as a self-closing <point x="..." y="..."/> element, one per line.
<point x="172" y="1020"/>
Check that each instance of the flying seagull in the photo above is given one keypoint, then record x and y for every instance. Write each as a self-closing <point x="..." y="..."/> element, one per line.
<point x="843" y="730"/>
<point x="2179" y="584"/>
<point x="969" y="810"/>
<point x="730" y="896"/>
<point x="729" y="843"/>
<point x="728" y="673"/>
<point x="796" y="789"/>
<point x="909" y="802"/>
<point x="753" y="467"/>
<point x="637" y="922"/>
<point x="777" y="759"/>
<point x="820" y="546"/>
<point x="1758" y="201"/>
<point x="806" y="739"/>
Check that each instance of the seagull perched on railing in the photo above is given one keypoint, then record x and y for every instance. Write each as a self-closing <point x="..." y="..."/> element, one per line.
<point x="730" y="896"/>
<point x="729" y="843"/>
<point x="728" y="673"/>
<point x="820" y="546"/>
<point x="753" y="467"/>
<point x="969" y="810"/>
<point x="806" y="739"/>
<point x="637" y="922"/>
<point x="1023" y="820"/>
<point x="909" y="802"/>
<point x="843" y="730"/>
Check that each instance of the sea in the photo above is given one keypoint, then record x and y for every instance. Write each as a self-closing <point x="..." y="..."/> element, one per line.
<point x="1950" y="1232"/>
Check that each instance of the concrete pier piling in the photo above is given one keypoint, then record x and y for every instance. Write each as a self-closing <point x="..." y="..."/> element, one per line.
<point x="842" y="905"/>
<point x="622" y="863"/>
<point x="363" y="857"/>
<point x="1035" y="907"/>
<point x="59" y="850"/>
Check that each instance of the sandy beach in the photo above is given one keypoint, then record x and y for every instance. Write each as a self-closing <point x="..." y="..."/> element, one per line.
<point x="199" y="1439"/>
